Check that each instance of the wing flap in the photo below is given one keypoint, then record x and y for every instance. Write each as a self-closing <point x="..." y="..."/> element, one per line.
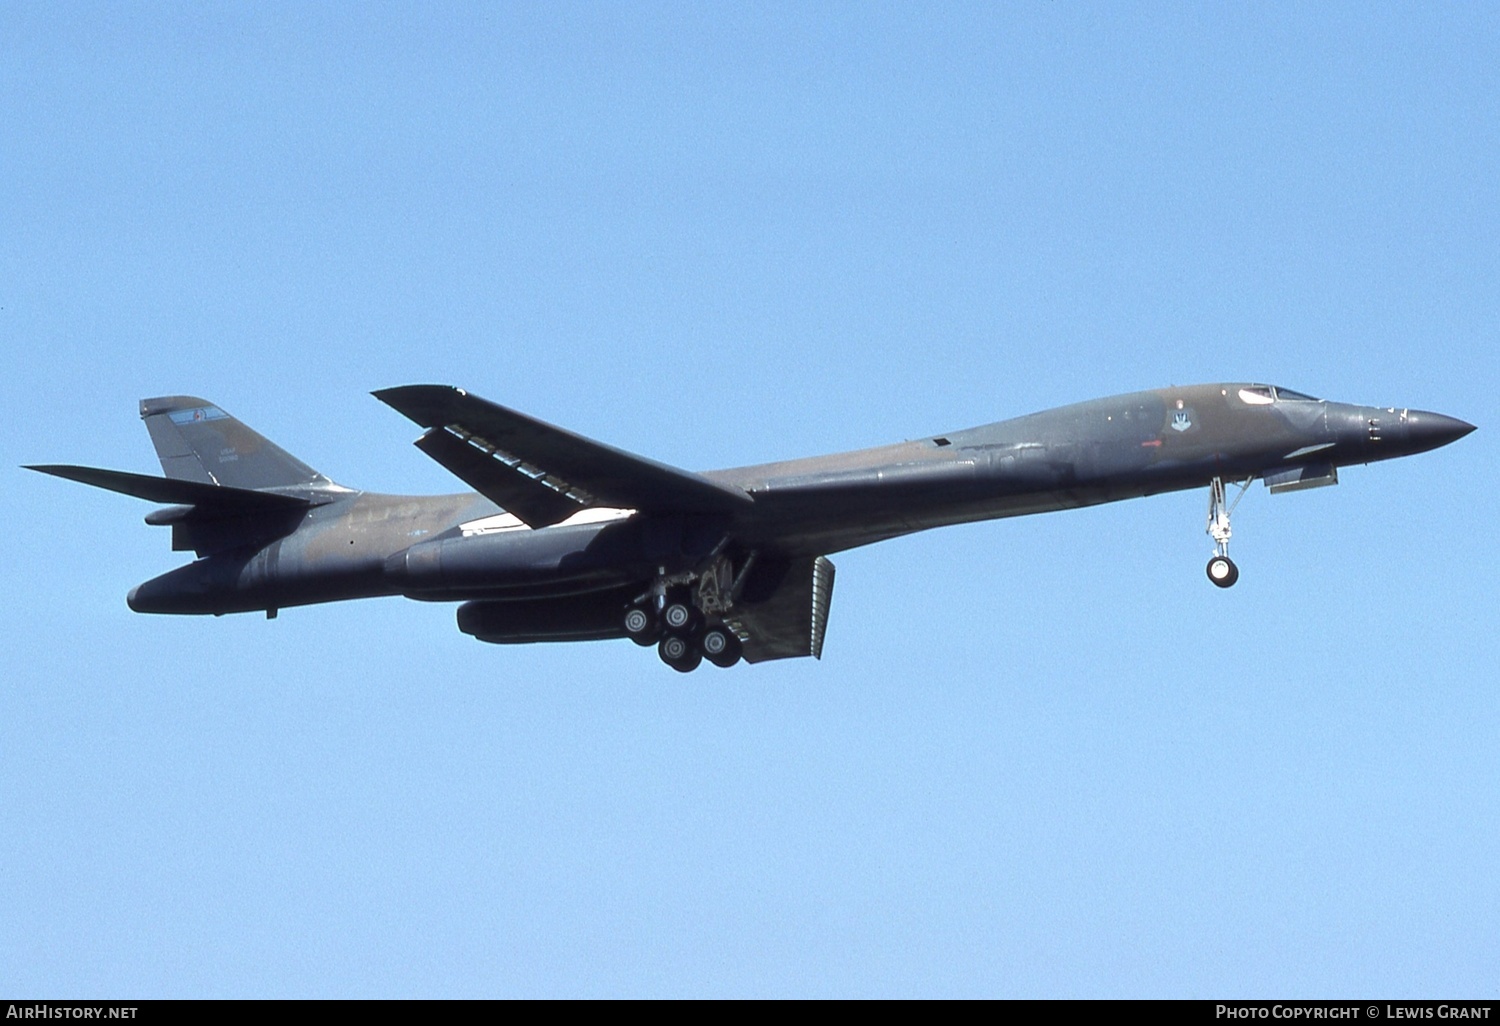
<point x="513" y="445"/>
<point x="533" y="500"/>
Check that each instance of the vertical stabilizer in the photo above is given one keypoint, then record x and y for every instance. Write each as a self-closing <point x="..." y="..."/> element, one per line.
<point x="197" y="441"/>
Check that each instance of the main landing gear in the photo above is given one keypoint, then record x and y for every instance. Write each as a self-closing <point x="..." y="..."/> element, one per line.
<point x="680" y="653"/>
<point x="684" y="619"/>
<point x="1221" y="569"/>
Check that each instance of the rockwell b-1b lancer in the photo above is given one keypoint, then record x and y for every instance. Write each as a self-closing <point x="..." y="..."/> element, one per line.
<point x="567" y="539"/>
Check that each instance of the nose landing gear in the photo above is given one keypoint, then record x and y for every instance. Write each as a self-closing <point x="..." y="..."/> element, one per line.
<point x="1221" y="569"/>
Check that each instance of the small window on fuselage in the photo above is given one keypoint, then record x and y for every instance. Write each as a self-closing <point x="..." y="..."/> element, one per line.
<point x="1287" y="395"/>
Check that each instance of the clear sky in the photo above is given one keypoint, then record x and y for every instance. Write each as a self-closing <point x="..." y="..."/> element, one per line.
<point x="1040" y="757"/>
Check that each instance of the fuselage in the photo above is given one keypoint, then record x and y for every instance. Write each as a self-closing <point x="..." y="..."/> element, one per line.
<point x="462" y="546"/>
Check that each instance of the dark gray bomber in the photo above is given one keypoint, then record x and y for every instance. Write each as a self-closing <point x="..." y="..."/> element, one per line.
<point x="567" y="539"/>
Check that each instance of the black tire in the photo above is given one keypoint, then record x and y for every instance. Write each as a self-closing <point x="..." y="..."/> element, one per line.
<point x="1222" y="571"/>
<point x="679" y="614"/>
<point x="720" y="646"/>
<point x="673" y="649"/>
<point x="680" y="618"/>
<point x="679" y="653"/>
<point x="641" y="625"/>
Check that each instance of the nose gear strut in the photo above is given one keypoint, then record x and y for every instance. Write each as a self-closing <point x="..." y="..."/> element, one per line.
<point x="1221" y="569"/>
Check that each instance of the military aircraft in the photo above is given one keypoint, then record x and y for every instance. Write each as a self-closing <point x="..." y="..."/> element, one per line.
<point x="568" y="539"/>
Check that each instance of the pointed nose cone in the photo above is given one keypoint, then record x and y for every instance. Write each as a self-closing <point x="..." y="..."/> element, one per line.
<point x="1429" y="430"/>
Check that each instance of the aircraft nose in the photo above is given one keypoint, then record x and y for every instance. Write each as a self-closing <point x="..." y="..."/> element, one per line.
<point x="1430" y="430"/>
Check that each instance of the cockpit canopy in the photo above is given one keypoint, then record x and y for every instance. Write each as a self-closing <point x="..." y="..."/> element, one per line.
<point x="1265" y="395"/>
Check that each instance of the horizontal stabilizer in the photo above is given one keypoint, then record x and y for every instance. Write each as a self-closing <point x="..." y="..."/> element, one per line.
<point x="176" y="490"/>
<point x="541" y="473"/>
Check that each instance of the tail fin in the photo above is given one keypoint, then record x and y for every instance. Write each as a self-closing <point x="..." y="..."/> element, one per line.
<point x="197" y="441"/>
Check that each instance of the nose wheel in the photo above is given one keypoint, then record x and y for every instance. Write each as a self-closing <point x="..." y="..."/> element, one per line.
<point x="1221" y="569"/>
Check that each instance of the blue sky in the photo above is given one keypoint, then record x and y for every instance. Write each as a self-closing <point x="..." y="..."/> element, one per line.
<point x="1040" y="757"/>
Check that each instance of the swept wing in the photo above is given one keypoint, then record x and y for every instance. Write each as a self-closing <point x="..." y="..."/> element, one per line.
<point x="544" y="474"/>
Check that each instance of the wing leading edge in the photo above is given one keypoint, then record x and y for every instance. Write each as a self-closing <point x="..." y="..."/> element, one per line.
<point x="541" y="473"/>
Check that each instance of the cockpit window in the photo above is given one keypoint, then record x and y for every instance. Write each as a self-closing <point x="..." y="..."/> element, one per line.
<point x="1287" y="395"/>
<point x="1257" y="395"/>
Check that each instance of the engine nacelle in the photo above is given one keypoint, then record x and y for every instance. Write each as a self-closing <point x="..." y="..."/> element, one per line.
<point x="591" y="616"/>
